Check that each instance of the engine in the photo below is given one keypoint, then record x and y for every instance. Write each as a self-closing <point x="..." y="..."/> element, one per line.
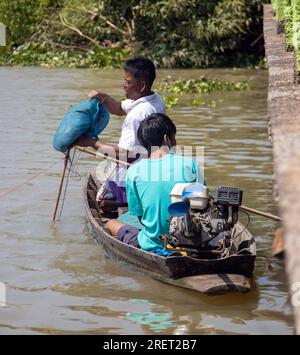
<point x="206" y="226"/>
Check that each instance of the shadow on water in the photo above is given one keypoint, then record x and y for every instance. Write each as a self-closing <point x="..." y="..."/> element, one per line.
<point x="59" y="281"/>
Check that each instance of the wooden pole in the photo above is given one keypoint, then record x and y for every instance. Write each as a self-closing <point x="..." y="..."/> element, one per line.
<point x="101" y="156"/>
<point x="260" y="213"/>
<point x="60" y="186"/>
<point x="245" y="208"/>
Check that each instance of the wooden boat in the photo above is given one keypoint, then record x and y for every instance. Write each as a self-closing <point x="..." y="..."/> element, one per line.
<point x="209" y="276"/>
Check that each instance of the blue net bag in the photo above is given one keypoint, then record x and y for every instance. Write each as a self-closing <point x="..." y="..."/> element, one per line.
<point x="87" y="118"/>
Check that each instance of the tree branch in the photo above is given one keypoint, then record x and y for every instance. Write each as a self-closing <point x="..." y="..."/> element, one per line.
<point x="97" y="14"/>
<point x="77" y="30"/>
<point x="70" y="46"/>
<point x="62" y="45"/>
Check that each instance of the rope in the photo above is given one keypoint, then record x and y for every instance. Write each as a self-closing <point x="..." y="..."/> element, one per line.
<point x="75" y="170"/>
<point x="245" y="227"/>
<point x="105" y="189"/>
<point x="70" y="160"/>
<point x="42" y="172"/>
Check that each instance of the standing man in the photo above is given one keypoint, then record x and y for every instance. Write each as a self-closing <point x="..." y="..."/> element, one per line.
<point x="139" y="75"/>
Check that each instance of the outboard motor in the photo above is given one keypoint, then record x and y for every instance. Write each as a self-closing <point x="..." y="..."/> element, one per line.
<point x="198" y="224"/>
<point x="186" y="197"/>
<point x="228" y="200"/>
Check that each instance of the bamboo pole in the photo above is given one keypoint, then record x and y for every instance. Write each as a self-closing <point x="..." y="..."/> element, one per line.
<point x="245" y="208"/>
<point x="101" y="156"/>
<point x="60" y="186"/>
<point x="260" y="213"/>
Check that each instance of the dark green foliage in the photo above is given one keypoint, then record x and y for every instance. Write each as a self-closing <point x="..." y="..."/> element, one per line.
<point x="201" y="33"/>
<point x="173" y="33"/>
<point x="22" y="16"/>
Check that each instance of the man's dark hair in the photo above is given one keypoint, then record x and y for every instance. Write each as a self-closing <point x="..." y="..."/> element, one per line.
<point x="141" y="68"/>
<point x="153" y="128"/>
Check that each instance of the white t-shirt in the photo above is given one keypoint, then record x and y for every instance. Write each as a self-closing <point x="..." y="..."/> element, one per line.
<point x="137" y="111"/>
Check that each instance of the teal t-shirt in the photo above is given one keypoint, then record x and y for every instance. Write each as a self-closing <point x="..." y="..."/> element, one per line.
<point x="148" y="186"/>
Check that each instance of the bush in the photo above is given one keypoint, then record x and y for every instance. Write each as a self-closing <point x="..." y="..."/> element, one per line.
<point x="289" y="12"/>
<point x="173" y="33"/>
<point x="172" y="90"/>
<point x="296" y="30"/>
<point x="42" y="55"/>
<point x="22" y="16"/>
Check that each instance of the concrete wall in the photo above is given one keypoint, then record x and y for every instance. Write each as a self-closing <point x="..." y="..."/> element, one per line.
<point x="284" y="120"/>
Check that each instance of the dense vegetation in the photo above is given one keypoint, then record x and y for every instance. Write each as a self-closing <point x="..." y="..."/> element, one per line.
<point x="173" y="90"/>
<point x="288" y="17"/>
<point x="98" y="33"/>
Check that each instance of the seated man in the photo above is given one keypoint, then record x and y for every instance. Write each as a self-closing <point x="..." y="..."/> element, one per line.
<point x="150" y="181"/>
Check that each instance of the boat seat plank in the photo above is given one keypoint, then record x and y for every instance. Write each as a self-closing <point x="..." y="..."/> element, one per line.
<point x="91" y="195"/>
<point x="94" y="205"/>
<point x="99" y="221"/>
<point x="91" y="183"/>
<point x="95" y="213"/>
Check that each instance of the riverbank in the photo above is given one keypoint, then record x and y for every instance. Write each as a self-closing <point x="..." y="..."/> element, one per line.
<point x="284" y="119"/>
<point x="105" y="58"/>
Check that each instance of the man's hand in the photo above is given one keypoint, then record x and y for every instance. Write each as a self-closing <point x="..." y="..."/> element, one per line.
<point x="101" y="96"/>
<point x="85" y="141"/>
<point x="112" y="105"/>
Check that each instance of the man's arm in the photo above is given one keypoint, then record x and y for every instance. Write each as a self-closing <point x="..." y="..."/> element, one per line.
<point x="112" y="105"/>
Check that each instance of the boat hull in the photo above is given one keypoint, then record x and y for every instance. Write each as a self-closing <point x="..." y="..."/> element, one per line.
<point x="210" y="276"/>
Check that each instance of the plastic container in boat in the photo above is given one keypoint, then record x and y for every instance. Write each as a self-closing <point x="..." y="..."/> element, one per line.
<point x="197" y="193"/>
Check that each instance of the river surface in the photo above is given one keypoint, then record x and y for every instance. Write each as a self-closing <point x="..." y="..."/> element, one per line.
<point x="58" y="281"/>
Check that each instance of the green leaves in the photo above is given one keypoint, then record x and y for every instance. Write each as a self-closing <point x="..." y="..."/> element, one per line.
<point x="288" y="13"/>
<point x="42" y="55"/>
<point x="173" y="33"/>
<point x="173" y="90"/>
<point x="203" y="85"/>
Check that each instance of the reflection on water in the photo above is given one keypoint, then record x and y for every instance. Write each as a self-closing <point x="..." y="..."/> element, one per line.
<point x="59" y="281"/>
<point x="157" y="322"/>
